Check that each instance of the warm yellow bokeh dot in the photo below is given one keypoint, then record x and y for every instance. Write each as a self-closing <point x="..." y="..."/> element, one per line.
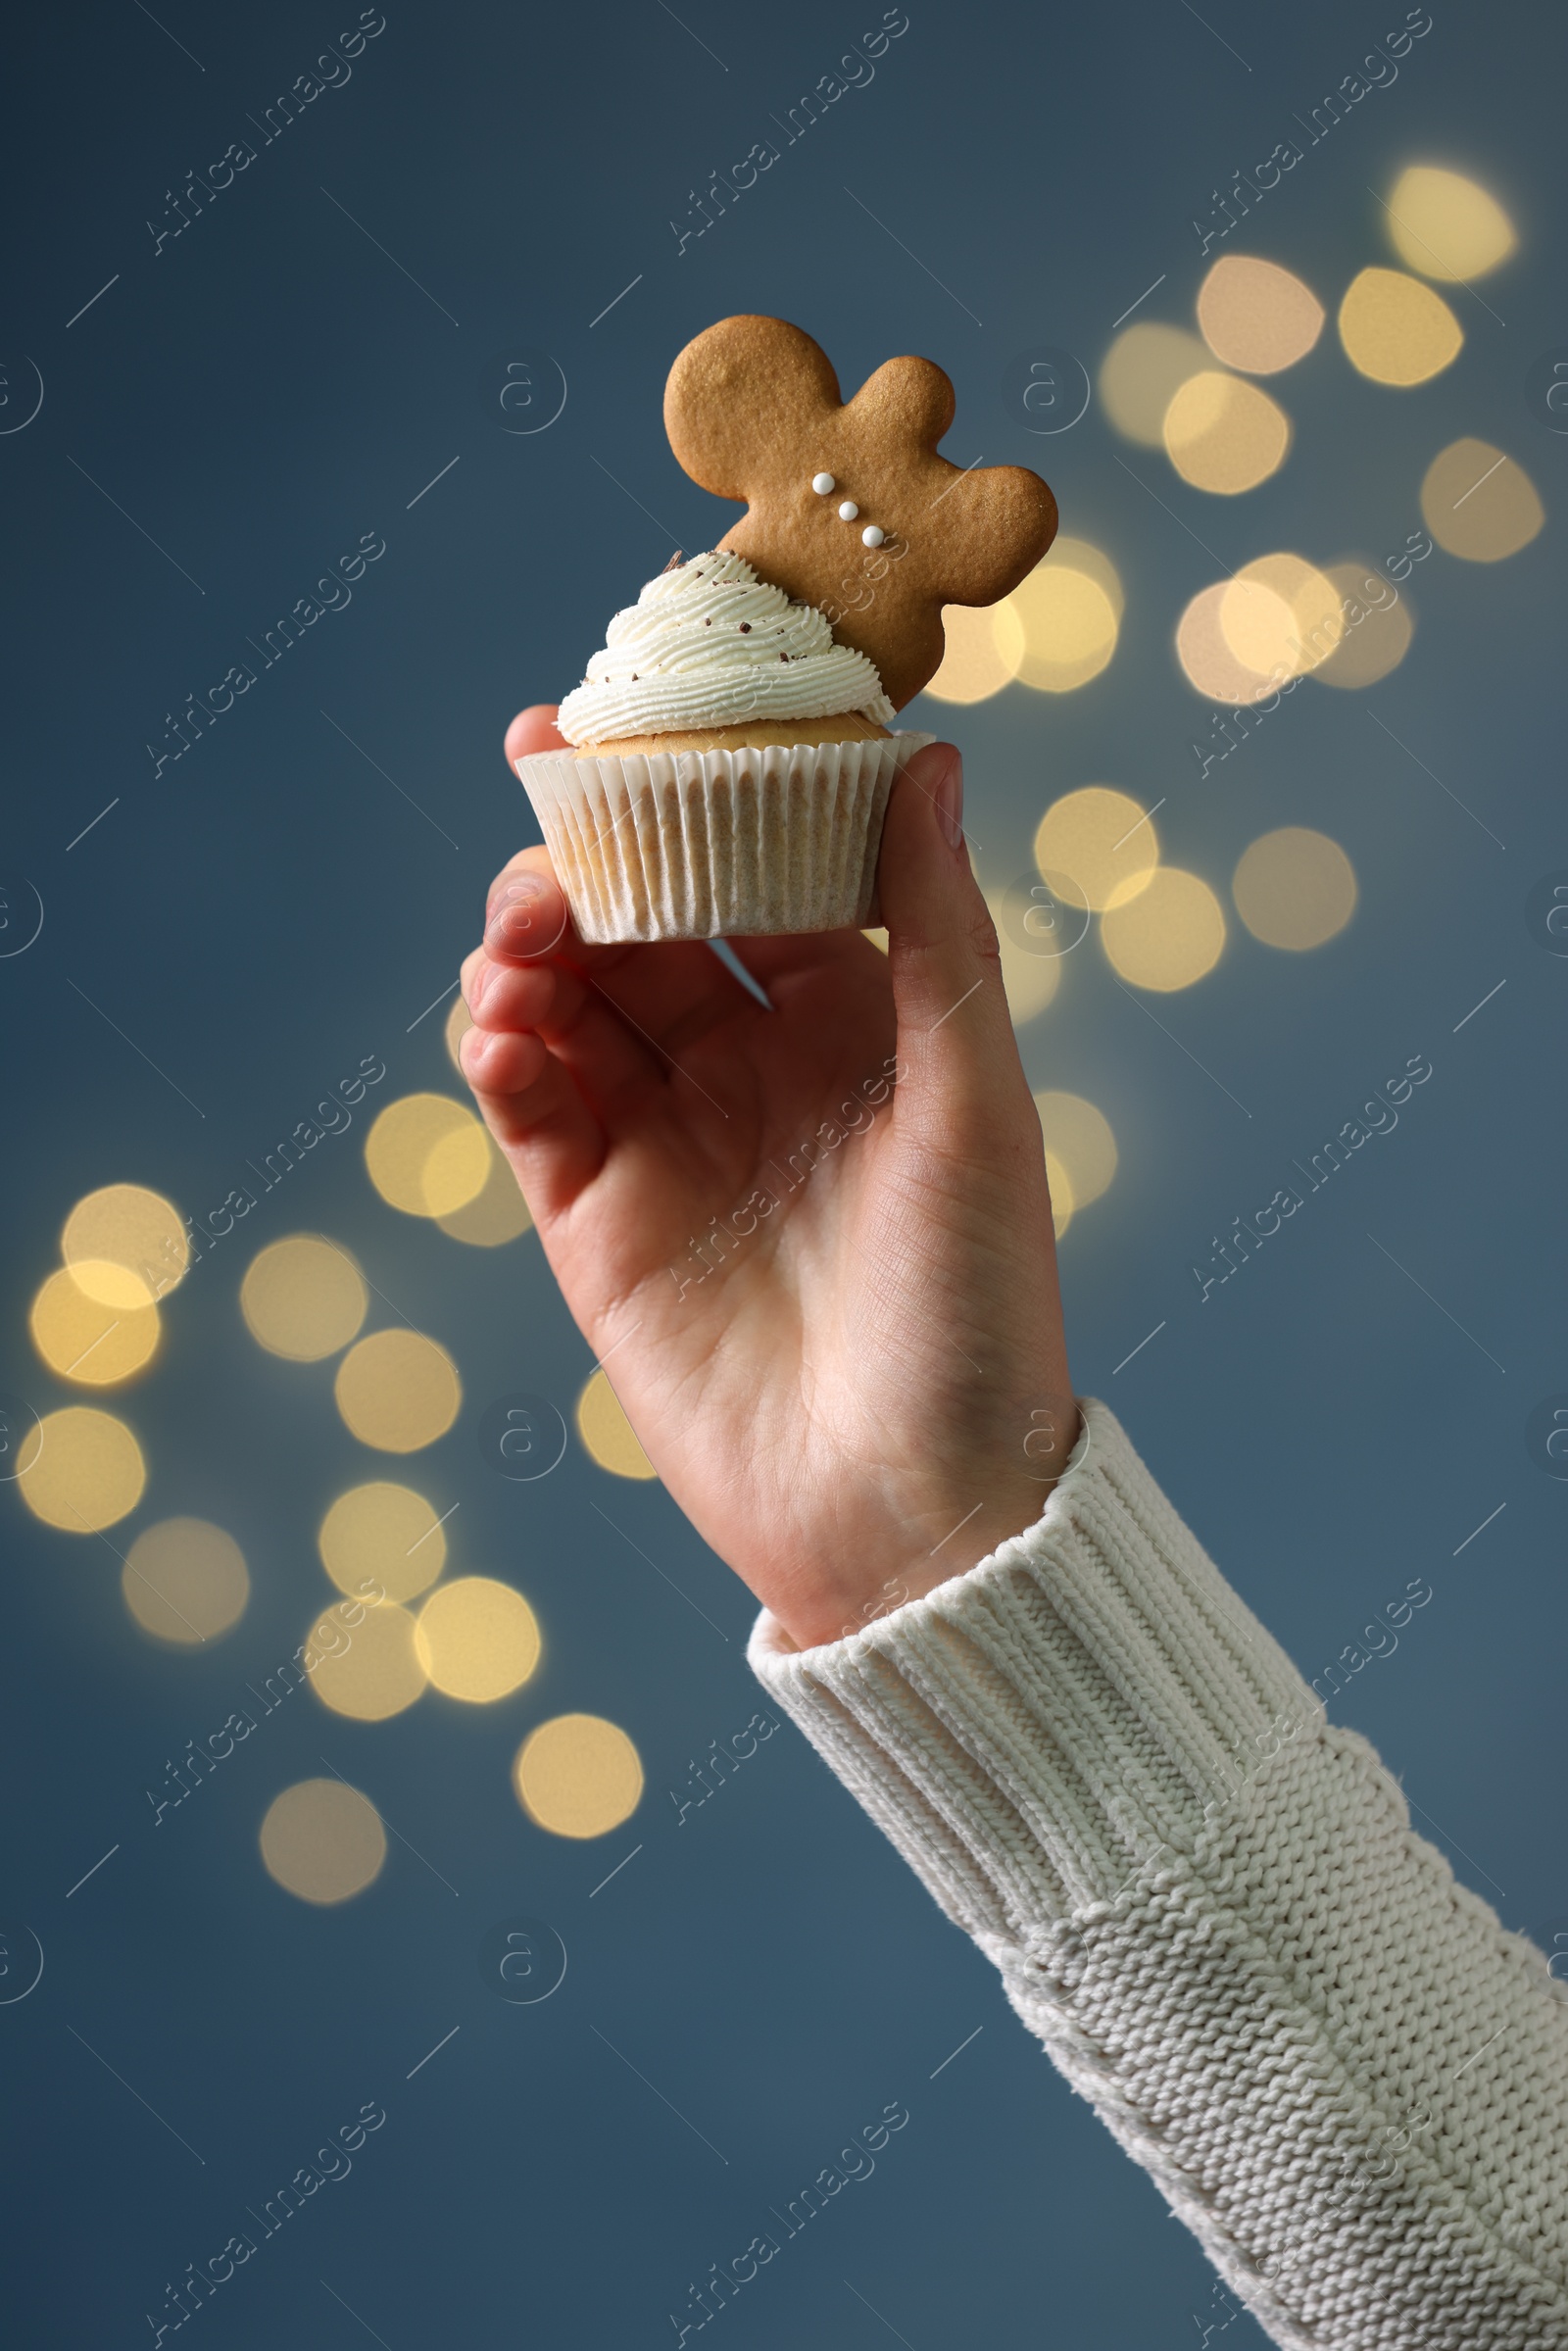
<point x="1446" y="226"/>
<point x="303" y="1298"/>
<point x="1101" y="839"/>
<point x="1169" y="935"/>
<point x="371" y="1670"/>
<point x="1140" y="373"/>
<point x="1257" y="315"/>
<point x="608" y="1435"/>
<point x="477" y="1640"/>
<point x="1396" y="330"/>
<point x="185" y="1581"/>
<point x="578" y="1776"/>
<point x="398" y="1390"/>
<point x="1058" y="627"/>
<point x="1281" y="616"/>
<point x="427" y="1154"/>
<point x="322" y="1841"/>
<point x="1376" y="626"/>
<point x="1030" y="982"/>
<point x="973" y="667"/>
<point x="80" y="1470"/>
<point x="1078" y="1136"/>
<point x="1478" y="502"/>
<point x="385" y="1536"/>
<point x="494" y="1216"/>
<point x="1204" y="651"/>
<point x="1059" y="1183"/>
<point x="458" y="1021"/>
<point x="1294" y="888"/>
<point x="126" y="1245"/>
<point x="1224" y="435"/>
<point x="80" y="1337"/>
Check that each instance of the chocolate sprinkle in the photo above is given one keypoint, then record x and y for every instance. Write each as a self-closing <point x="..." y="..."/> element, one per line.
<point x="746" y="628"/>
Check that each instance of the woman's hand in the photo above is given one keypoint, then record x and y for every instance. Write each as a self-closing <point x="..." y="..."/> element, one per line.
<point x="811" y="1245"/>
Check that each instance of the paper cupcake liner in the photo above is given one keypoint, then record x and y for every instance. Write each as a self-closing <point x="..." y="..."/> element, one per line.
<point x="715" y="844"/>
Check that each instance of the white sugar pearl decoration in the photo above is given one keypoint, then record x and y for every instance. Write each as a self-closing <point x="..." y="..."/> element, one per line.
<point x="871" y="537"/>
<point x="848" y="510"/>
<point x="821" y="484"/>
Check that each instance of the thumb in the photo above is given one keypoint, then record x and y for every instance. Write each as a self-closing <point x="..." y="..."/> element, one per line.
<point x="954" y="1031"/>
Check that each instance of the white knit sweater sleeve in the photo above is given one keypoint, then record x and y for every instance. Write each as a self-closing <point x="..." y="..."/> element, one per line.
<point x="1342" y="2073"/>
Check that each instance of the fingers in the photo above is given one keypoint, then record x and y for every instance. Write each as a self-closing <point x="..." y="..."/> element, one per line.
<point x="535" y="1112"/>
<point x="534" y="730"/>
<point x="954" y="1029"/>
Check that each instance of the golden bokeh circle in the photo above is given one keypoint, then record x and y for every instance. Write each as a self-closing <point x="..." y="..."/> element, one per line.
<point x="1396" y="330"/>
<point x="185" y="1581"/>
<point x="1281" y="616"/>
<point x="1294" y="888"/>
<point x="80" y="1470"/>
<point x="1378" y="628"/>
<point x="126" y="1244"/>
<point x="1167" y="936"/>
<point x="477" y="1640"/>
<point x="1206" y="656"/>
<point x="398" y="1390"/>
<point x="1059" y="1185"/>
<point x="1478" y="502"/>
<point x="322" y="1841"/>
<point x="1445" y="226"/>
<point x="1257" y="315"/>
<point x="368" y="1671"/>
<point x="303" y="1298"/>
<point x="608" y="1434"/>
<point x="578" y="1776"/>
<point x="1079" y="1137"/>
<point x="494" y="1216"/>
<point x="385" y="1536"/>
<point x="1059" y="626"/>
<point x="458" y="1021"/>
<point x="82" y="1339"/>
<point x="1100" y="839"/>
<point x="973" y="665"/>
<point x="427" y="1154"/>
<point x="1145" y="367"/>
<point x="1225" y="435"/>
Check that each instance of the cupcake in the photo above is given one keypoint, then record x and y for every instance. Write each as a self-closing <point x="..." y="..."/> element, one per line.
<point x="729" y="768"/>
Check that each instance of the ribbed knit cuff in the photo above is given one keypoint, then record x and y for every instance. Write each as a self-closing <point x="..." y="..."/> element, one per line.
<point x="1038" y="1730"/>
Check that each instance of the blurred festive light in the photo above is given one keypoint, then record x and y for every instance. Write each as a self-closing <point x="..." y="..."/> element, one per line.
<point x="608" y="1434"/>
<point x="1101" y="839"/>
<point x="1059" y="628"/>
<point x="303" y="1298"/>
<point x="1224" y="435"/>
<point x="82" y="1339"/>
<point x="81" y="1469"/>
<point x="1281" y="616"/>
<point x="1079" y="1137"/>
<point x="1029" y="981"/>
<point x="1059" y="1185"/>
<point x="322" y="1841"/>
<point x="1168" y="936"/>
<point x="125" y="1244"/>
<point x="427" y="1154"/>
<point x="1206" y="656"/>
<point x="494" y="1216"/>
<point x="1446" y="226"/>
<point x="1257" y="315"/>
<point x="1397" y="330"/>
<point x="1140" y="373"/>
<point x="578" y="1776"/>
<point x="1294" y="888"/>
<point x="398" y="1390"/>
<point x="459" y="1020"/>
<point x="973" y="665"/>
<point x="371" y="1670"/>
<point x="382" y="1534"/>
<point x="185" y="1581"/>
<point x="1378" y="627"/>
<point x="1478" y="504"/>
<point x="477" y="1640"/>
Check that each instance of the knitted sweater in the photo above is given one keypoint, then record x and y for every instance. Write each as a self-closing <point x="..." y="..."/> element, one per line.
<point x="1207" y="1901"/>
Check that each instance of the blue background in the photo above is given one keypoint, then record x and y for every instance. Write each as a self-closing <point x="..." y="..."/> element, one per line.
<point x="258" y="394"/>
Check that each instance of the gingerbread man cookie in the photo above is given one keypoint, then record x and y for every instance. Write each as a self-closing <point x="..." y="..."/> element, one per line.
<point x="848" y="504"/>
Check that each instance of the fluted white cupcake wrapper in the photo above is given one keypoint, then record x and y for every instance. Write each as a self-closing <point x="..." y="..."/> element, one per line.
<point x="714" y="844"/>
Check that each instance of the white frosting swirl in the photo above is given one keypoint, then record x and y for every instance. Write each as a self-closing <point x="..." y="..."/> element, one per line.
<point x="709" y="644"/>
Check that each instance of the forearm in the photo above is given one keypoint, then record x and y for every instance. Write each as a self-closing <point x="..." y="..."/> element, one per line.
<point x="1207" y="1903"/>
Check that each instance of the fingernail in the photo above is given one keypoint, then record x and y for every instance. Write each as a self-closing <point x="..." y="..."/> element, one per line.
<point x="947" y="800"/>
